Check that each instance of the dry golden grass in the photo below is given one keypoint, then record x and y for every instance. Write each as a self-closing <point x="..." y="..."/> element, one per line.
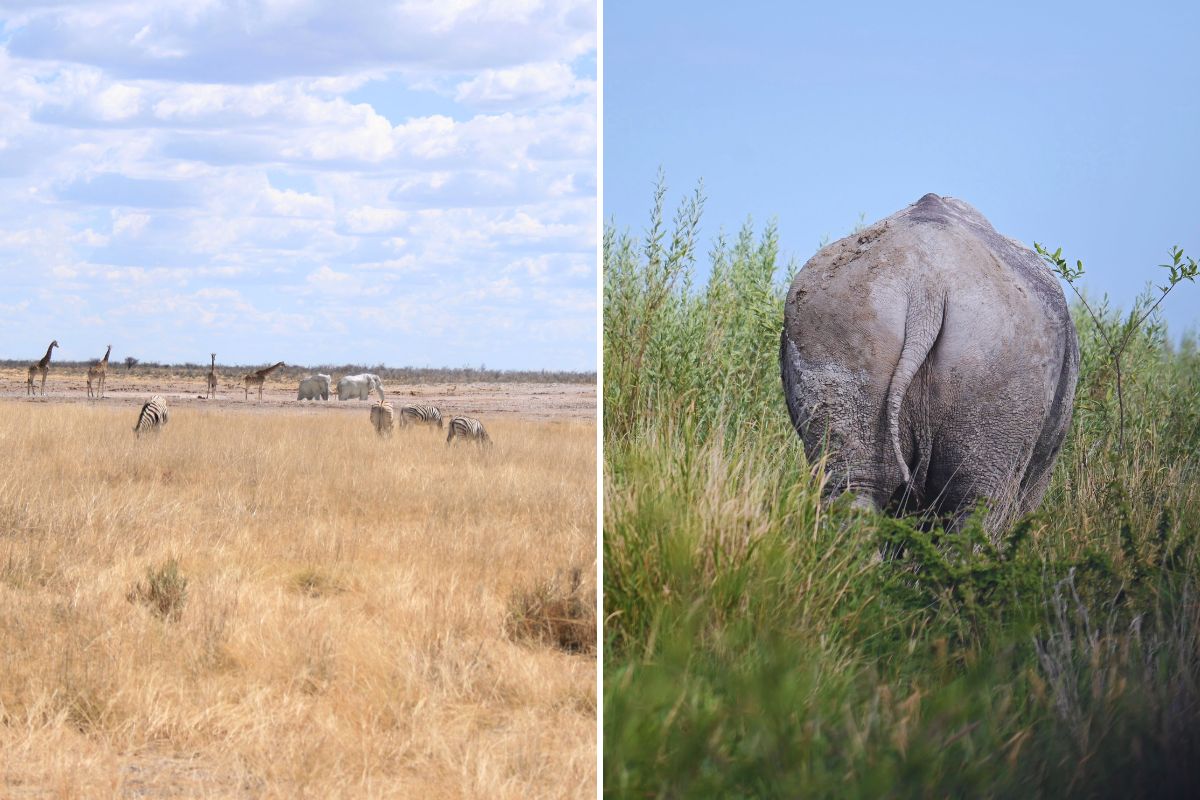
<point x="345" y="624"/>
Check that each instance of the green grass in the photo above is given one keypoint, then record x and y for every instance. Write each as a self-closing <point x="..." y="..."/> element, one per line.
<point x="757" y="645"/>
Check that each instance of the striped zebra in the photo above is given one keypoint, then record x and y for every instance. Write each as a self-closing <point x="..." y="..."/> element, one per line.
<point x="381" y="418"/>
<point x="468" y="428"/>
<point x="153" y="415"/>
<point x="425" y="415"/>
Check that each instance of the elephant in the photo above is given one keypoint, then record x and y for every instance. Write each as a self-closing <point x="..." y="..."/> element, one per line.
<point x="933" y="361"/>
<point x="359" y="387"/>
<point x="314" y="387"/>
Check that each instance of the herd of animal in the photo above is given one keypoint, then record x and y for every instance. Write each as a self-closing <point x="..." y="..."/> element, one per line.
<point x="384" y="417"/>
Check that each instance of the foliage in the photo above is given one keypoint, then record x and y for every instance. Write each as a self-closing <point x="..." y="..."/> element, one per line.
<point x="1116" y="333"/>
<point x="164" y="590"/>
<point x="672" y="350"/>
<point x="759" y="643"/>
<point x="555" y="612"/>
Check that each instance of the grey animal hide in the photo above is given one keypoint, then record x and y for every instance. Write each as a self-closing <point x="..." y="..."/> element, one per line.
<point x="934" y="361"/>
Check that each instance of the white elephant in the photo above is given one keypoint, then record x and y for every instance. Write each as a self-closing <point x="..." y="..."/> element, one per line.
<point x="359" y="387"/>
<point x="314" y="387"/>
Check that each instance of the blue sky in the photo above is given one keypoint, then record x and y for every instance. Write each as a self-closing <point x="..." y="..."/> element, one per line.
<point x="1075" y="125"/>
<point x="408" y="183"/>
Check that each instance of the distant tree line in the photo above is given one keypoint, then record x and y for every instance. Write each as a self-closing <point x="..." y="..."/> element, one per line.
<point x="416" y="375"/>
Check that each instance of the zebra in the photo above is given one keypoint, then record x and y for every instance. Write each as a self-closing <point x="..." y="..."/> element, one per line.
<point x="381" y="418"/>
<point x="468" y="428"/>
<point x="153" y="415"/>
<point x="428" y="415"/>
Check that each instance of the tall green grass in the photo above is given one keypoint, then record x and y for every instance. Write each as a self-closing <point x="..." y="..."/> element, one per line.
<point x="757" y="644"/>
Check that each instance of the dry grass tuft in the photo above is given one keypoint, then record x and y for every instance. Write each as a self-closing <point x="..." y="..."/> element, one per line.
<point x="555" y="612"/>
<point x="315" y="582"/>
<point x="164" y="590"/>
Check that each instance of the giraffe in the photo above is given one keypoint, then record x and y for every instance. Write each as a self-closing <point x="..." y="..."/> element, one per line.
<point x="97" y="372"/>
<point x="258" y="378"/>
<point x="212" y="378"/>
<point x="43" y="367"/>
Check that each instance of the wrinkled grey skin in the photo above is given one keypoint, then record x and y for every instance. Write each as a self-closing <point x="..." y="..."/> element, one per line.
<point x="934" y="362"/>
<point x="314" y="387"/>
<point x="359" y="387"/>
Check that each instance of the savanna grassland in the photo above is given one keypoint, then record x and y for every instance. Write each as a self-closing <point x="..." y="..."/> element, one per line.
<point x="757" y="645"/>
<point x="282" y="604"/>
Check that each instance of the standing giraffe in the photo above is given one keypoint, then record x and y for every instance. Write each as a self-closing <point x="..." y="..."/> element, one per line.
<point x="43" y="367"/>
<point x="212" y="378"/>
<point x="97" y="372"/>
<point x="258" y="378"/>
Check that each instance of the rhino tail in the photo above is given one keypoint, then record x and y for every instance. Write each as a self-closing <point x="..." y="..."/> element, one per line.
<point x="922" y="324"/>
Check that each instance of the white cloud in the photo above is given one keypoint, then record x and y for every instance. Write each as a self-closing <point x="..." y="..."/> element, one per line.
<point x="370" y="219"/>
<point x="90" y="238"/>
<point x="217" y="294"/>
<point x="326" y="277"/>
<point x="119" y="101"/>
<point x="129" y="224"/>
<point x="524" y="85"/>
<point x="288" y="203"/>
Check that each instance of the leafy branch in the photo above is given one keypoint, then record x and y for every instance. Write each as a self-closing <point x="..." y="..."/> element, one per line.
<point x="1180" y="269"/>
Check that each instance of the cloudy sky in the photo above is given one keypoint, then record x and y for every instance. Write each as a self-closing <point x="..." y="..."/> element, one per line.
<point x="408" y="183"/>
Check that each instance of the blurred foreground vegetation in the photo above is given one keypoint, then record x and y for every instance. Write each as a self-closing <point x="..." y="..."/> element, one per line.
<point x="755" y="644"/>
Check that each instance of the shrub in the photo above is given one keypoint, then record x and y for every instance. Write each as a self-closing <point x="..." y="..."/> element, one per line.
<point x="556" y="613"/>
<point x="163" y="591"/>
<point x="315" y="582"/>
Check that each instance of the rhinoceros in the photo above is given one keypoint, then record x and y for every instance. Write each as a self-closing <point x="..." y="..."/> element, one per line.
<point x="934" y="362"/>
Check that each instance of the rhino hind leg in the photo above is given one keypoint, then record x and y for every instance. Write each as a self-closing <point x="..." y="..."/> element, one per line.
<point x="969" y="474"/>
<point x="822" y="399"/>
<point x="1052" y="436"/>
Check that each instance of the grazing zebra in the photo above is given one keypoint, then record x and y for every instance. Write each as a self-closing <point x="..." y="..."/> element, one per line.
<point x="426" y="415"/>
<point x="153" y="416"/>
<point x="468" y="428"/>
<point x="381" y="418"/>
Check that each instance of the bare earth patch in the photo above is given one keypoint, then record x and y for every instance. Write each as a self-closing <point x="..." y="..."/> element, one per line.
<point x="525" y="400"/>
